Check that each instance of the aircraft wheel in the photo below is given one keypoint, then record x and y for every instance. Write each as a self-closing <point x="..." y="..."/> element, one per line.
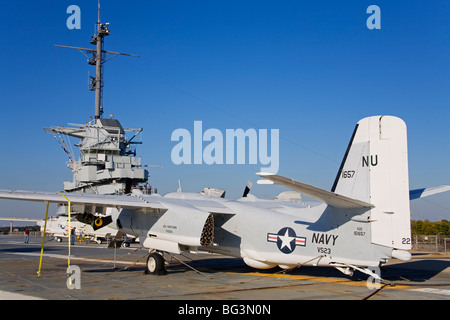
<point x="155" y="264"/>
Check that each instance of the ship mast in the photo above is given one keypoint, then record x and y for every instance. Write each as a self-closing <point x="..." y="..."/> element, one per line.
<point x="98" y="39"/>
<point x="98" y="57"/>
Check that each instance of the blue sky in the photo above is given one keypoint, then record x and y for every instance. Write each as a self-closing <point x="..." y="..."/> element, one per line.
<point x="309" y="69"/>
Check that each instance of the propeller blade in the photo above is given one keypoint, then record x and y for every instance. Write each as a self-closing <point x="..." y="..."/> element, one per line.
<point x="247" y="189"/>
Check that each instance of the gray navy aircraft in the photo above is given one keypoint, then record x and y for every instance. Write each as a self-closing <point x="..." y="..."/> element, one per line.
<point x="361" y="223"/>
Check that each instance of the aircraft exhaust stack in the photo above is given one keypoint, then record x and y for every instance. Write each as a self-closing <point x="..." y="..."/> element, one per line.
<point x="207" y="236"/>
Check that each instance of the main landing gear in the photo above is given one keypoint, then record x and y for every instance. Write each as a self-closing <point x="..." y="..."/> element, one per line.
<point x="155" y="264"/>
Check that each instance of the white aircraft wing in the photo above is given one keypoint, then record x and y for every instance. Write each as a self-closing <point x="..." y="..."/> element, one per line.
<point x="330" y="198"/>
<point x="19" y="219"/>
<point x="79" y="198"/>
<point x="118" y="201"/>
<point x="425" y="192"/>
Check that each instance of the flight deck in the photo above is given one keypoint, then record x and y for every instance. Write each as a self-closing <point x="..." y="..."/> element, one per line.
<point x="119" y="274"/>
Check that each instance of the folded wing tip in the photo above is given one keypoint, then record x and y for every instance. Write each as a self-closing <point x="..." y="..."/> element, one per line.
<point x="264" y="174"/>
<point x="264" y="182"/>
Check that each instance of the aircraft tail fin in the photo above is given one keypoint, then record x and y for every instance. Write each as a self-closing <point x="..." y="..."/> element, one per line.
<point x="375" y="170"/>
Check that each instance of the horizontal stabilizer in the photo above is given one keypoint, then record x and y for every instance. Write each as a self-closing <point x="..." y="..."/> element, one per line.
<point x="330" y="198"/>
<point x="425" y="192"/>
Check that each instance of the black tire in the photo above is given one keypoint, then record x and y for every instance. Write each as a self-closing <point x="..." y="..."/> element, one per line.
<point x="155" y="264"/>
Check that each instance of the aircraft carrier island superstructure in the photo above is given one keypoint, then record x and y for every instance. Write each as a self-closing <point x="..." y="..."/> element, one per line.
<point x="107" y="163"/>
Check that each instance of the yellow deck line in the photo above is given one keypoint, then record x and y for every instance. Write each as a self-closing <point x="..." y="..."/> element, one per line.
<point x="325" y="280"/>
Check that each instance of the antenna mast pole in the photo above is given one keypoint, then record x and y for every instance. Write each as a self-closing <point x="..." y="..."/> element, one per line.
<point x="98" y="20"/>
<point x="98" y="59"/>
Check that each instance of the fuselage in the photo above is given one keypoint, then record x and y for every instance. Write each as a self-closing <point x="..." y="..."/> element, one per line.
<point x="264" y="233"/>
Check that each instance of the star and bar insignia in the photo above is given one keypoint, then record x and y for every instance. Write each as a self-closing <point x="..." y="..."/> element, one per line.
<point x="286" y="240"/>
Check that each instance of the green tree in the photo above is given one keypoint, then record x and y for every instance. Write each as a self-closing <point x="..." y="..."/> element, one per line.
<point x="430" y="228"/>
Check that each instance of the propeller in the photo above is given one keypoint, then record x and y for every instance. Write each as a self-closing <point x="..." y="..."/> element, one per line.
<point x="95" y="221"/>
<point x="247" y="188"/>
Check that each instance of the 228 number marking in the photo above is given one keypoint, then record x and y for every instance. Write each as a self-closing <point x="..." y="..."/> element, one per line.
<point x="348" y="174"/>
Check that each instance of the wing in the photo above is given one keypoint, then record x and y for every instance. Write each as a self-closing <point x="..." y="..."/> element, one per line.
<point x="425" y="192"/>
<point x="121" y="201"/>
<point x="330" y="198"/>
<point x="134" y="202"/>
<point x="19" y="219"/>
<point x="191" y="214"/>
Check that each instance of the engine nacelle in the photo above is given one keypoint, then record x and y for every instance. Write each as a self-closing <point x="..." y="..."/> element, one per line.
<point x="179" y="225"/>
